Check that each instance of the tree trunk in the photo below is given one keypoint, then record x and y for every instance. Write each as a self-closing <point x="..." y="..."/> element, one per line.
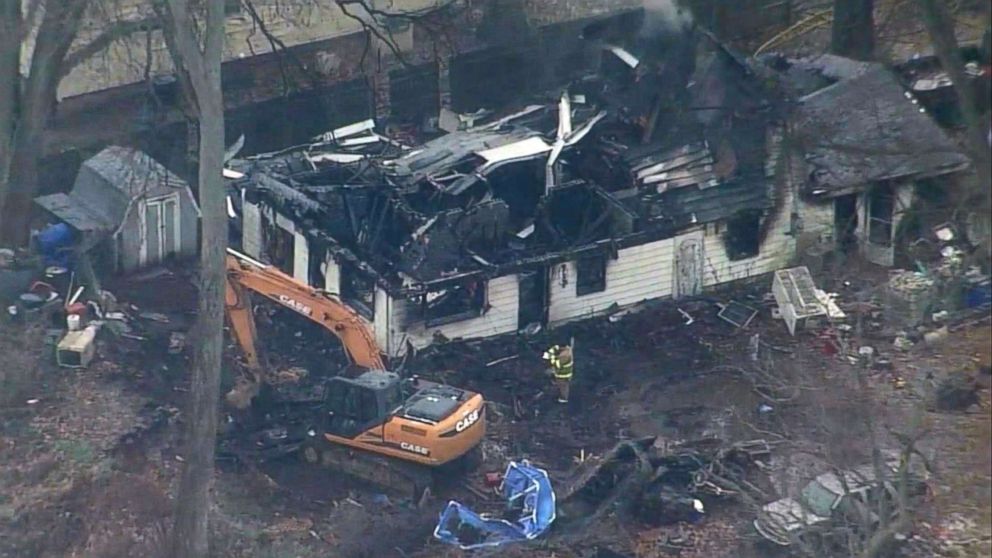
<point x="202" y="69"/>
<point x="10" y="80"/>
<point x="19" y="180"/>
<point x="940" y="26"/>
<point x="853" y="33"/>
<point x="194" y="501"/>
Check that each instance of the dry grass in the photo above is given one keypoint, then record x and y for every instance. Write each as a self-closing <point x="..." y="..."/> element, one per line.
<point x="20" y="364"/>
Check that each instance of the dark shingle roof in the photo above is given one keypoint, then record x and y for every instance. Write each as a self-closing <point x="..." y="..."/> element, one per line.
<point x="105" y="187"/>
<point x="866" y="129"/>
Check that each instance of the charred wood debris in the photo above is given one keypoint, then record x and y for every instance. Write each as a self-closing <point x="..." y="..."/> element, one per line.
<point x="656" y="142"/>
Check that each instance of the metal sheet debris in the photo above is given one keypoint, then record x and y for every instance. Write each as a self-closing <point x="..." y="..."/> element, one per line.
<point x="347" y="131"/>
<point x="529" y="147"/>
<point x="737" y="314"/>
<point x="627" y="58"/>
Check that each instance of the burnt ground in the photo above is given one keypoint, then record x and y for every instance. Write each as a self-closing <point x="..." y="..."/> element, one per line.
<point x="90" y="467"/>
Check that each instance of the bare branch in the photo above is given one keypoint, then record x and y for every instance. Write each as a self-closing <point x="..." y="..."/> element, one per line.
<point x="278" y="46"/>
<point x="115" y="32"/>
<point x="409" y="15"/>
<point x="372" y="29"/>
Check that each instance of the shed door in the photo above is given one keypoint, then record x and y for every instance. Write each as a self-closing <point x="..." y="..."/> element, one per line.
<point x="160" y="223"/>
<point x="688" y="267"/>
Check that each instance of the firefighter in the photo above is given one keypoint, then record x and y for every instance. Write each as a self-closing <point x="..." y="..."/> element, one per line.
<point x="562" y="366"/>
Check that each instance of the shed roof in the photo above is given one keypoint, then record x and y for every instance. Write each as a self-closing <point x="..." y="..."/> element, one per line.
<point x="122" y="175"/>
<point x="866" y="129"/>
<point x="132" y="172"/>
<point x="76" y="214"/>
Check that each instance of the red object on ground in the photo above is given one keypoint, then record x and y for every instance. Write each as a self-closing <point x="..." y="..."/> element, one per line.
<point x="829" y="345"/>
<point x="77" y="308"/>
<point x="41" y="288"/>
<point x="493" y="479"/>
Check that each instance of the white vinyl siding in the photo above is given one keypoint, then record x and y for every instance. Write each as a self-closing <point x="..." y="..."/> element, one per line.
<point x="775" y="252"/>
<point x="380" y="322"/>
<point x="301" y="259"/>
<point x="639" y="273"/>
<point x="406" y="323"/>
<point x="251" y="230"/>
<point x="332" y="276"/>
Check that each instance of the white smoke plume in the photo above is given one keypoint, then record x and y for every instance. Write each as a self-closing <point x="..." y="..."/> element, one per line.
<point x="664" y="15"/>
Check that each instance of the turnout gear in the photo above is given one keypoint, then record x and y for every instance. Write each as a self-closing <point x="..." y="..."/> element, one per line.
<point x="561" y="362"/>
<point x="562" y="366"/>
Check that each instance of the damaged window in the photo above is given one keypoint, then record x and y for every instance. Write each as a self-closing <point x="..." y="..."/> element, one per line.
<point x="277" y="245"/>
<point x="358" y="291"/>
<point x="590" y="275"/>
<point x="881" y="205"/>
<point x="455" y="303"/>
<point x="742" y="236"/>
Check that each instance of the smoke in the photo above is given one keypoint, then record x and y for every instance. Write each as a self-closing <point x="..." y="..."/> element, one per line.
<point x="662" y="16"/>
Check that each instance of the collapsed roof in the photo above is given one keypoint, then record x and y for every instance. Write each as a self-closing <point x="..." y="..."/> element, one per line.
<point x="636" y="152"/>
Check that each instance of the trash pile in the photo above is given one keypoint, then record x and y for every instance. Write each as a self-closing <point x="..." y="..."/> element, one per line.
<point x="909" y="297"/>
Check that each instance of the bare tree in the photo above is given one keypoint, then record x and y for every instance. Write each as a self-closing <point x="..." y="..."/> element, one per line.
<point x="46" y="32"/>
<point x="940" y="25"/>
<point x="197" y="52"/>
<point x="853" y="31"/>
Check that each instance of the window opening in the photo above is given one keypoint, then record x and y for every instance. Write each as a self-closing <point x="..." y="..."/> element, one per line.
<point x="742" y="237"/>
<point x="455" y="303"/>
<point x="277" y="245"/>
<point x="590" y="275"/>
<point x="358" y="291"/>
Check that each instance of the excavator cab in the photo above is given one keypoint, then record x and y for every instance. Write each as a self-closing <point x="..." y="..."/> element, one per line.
<point x="373" y="425"/>
<point x="355" y="405"/>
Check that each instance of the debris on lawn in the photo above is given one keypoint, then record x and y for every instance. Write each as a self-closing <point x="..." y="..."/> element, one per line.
<point x="660" y="483"/>
<point x="737" y="314"/>
<point x="799" y="300"/>
<point x="956" y="392"/>
<point x="530" y="511"/>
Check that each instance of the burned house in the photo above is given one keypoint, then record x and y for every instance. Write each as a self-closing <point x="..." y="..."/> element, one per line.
<point x="654" y="177"/>
<point x="861" y="150"/>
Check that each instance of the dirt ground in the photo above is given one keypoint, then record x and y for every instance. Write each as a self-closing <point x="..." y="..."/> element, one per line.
<point x="91" y="456"/>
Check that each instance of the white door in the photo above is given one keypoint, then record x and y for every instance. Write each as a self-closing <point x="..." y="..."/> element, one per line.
<point x="160" y="229"/>
<point x="688" y="267"/>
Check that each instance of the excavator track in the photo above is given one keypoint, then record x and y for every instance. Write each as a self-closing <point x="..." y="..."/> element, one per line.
<point x="397" y="476"/>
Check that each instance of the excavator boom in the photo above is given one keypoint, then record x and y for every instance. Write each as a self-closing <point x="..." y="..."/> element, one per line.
<point x="245" y="275"/>
<point x="376" y="426"/>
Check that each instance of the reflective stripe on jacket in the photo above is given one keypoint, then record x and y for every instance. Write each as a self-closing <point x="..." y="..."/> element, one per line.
<point x="562" y="371"/>
<point x="562" y="367"/>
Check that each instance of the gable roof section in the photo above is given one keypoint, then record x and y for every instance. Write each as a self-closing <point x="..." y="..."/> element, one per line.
<point x="867" y="129"/>
<point x="106" y="186"/>
<point x="133" y="173"/>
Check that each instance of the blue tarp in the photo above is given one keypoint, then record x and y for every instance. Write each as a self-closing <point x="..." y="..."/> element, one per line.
<point x="529" y="498"/>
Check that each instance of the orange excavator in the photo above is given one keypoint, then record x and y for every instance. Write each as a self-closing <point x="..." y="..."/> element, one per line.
<point x="376" y="426"/>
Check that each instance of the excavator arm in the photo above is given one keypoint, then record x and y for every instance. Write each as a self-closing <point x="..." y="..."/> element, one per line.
<point x="246" y="275"/>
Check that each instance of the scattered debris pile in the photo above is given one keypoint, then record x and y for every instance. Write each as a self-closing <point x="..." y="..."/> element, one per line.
<point x="909" y="298"/>
<point x="661" y="483"/>
<point x="956" y="392"/>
